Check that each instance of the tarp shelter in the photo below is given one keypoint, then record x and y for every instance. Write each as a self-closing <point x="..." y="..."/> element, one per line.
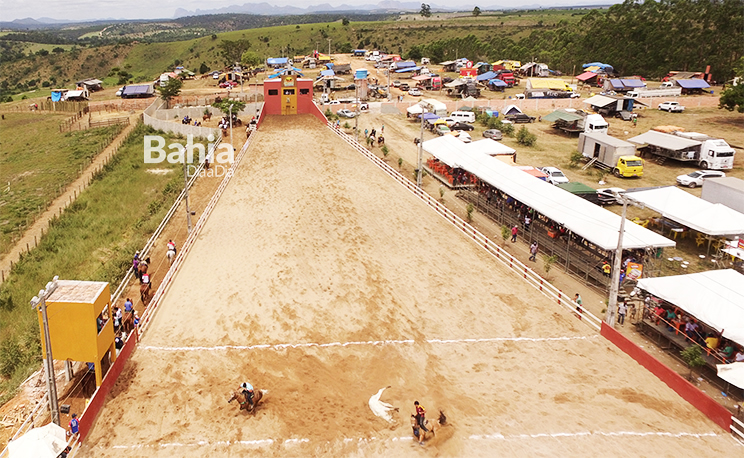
<point x="600" y="101"/>
<point x="138" y="90"/>
<point x="512" y="109"/>
<point x="690" y="211"/>
<point x="665" y="141"/>
<point x="44" y="442"/>
<point x="581" y="190"/>
<point x="408" y="69"/>
<point x="486" y="76"/>
<point x="604" y="67"/>
<point x="552" y="84"/>
<point x="562" y="114"/>
<point x="623" y="84"/>
<point x="58" y="94"/>
<point x="495" y="82"/>
<point x="283" y="71"/>
<point x="428" y="116"/>
<point x="91" y="84"/>
<point x="422" y="77"/>
<point x="715" y="297"/>
<point x="455" y="83"/>
<point x="586" y="76"/>
<point x="732" y="373"/>
<point x="277" y="61"/>
<point x="595" y="224"/>
<point x="327" y="73"/>
<point x="692" y="83"/>
<point x="77" y="95"/>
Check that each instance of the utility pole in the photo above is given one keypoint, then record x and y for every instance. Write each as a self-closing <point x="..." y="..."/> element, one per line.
<point x="40" y="301"/>
<point x="186" y="194"/>
<point x="419" y="167"/>
<point x="356" y="117"/>
<point x="329" y="47"/>
<point x="617" y="263"/>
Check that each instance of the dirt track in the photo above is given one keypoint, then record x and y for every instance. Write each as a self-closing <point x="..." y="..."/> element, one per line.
<point x="311" y="244"/>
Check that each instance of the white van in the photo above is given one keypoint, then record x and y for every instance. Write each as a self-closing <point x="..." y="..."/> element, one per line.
<point x="463" y="116"/>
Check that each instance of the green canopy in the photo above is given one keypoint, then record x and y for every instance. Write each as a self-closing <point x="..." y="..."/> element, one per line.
<point x="574" y="187"/>
<point x="561" y="114"/>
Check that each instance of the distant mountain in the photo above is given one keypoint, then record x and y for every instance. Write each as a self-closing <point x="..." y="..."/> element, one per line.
<point x="270" y="10"/>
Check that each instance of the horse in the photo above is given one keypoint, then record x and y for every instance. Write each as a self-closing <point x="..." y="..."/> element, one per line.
<point x="207" y="116"/>
<point x="380" y="140"/>
<point x="243" y="402"/>
<point x="423" y="436"/>
<point x="171" y="255"/>
<point x="145" y="293"/>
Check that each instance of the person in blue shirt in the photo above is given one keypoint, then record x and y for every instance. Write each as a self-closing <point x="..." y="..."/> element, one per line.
<point x="74" y="425"/>
<point x="128" y="306"/>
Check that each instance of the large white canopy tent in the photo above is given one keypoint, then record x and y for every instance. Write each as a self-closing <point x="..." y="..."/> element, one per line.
<point x="715" y="297"/>
<point x="44" y="442"/>
<point x="595" y="224"/>
<point x="693" y="212"/>
<point x="449" y="149"/>
<point x="732" y="373"/>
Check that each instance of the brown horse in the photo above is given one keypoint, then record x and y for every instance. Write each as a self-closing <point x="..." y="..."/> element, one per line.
<point x="243" y="403"/>
<point x="207" y="116"/>
<point x="145" y="293"/>
<point x="423" y="436"/>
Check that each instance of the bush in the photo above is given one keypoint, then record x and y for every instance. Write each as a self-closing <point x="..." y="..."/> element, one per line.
<point x="575" y="158"/>
<point x="525" y="137"/>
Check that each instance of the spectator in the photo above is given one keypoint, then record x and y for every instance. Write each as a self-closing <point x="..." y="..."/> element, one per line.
<point x="739" y="358"/>
<point x="117" y="319"/>
<point x="579" y="304"/>
<point x="514" y="232"/>
<point x="128" y="305"/>
<point x="606" y="268"/>
<point x="658" y="313"/>
<point x="533" y="251"/>
<point x="728" y="351"/>
<point x="712" y="341"/>
<point x="74" y="425"/>
<point x="691" y="329"/>
<point x="135" y="265"/>
<point x="622" y="310"/>
<point x="670" y="318"/>
<point x="527" y="222"/>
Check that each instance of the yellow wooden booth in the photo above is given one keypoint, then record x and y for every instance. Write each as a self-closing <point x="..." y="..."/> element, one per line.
<point x="81" y="325"/>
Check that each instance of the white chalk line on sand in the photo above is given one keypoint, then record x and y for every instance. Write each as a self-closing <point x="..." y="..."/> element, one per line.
<point x="475" y="437"/>
<point x="369" y="342"/>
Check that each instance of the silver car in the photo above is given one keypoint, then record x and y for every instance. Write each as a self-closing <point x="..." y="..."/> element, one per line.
<point x="493" y="134"/>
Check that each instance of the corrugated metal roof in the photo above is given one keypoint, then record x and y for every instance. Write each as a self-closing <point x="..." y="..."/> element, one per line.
<point x="662" y="140"/>
<point x="693" y="84"/>
<point x="607" y="139"/>
<point x="547" y="83"/>
<point x="633" y="82"/>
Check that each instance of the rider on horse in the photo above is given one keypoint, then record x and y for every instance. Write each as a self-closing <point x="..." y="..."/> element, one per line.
<point x="420" y="416"/>
<point x="247" y="390"/>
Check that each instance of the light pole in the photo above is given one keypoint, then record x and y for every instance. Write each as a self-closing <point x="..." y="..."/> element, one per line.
<point x="617" y="263"/>
<point x="419" y="166"/>
<point x="356" y="117"/>
<point x="40" y="301"/>
<point x="231" y="136"/>
<point x="329" y="47"/>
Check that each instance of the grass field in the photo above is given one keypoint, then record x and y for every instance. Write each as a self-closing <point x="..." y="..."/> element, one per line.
<point x="36" y="162"/>
<point x="93" y="240"/>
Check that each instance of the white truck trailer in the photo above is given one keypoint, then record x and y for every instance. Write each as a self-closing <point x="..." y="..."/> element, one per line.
<point x="728" y="191"/>
<point x="707" y="152"/>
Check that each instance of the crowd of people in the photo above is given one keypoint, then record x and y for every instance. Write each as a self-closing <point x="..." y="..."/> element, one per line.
<point x="676" y="321"/>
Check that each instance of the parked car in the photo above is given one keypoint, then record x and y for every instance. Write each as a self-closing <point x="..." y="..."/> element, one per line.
<point x="461" y="126"/>
<point x="575" y="95"/>
<point x="493" y="134"/>
<point x="520" y="118"/>
<point x="415" y="92"/>
<point x="463" y="136"/>
<point x="555" y="176"/>
<point x="344" y="113"/>
<point x="671" y="107"/>
<point x="606" y="196"/>
<point x="696" y="178"/>
<point x="404" y="87"/>
<point x="396" y="83"/>
<point x="442" y="129"/>
<point x="227" y="84"/>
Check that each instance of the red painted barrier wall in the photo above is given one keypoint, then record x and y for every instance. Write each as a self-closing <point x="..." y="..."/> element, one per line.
<point x="689" y="392"/>
<point x="315" y="111"/>
<point x="99" y="397"/>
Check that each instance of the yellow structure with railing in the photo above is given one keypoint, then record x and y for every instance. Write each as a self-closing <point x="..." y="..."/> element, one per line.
<point x="81" y="326"/>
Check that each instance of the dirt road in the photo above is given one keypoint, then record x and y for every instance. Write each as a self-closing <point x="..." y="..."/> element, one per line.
<point x="320" y="280"/>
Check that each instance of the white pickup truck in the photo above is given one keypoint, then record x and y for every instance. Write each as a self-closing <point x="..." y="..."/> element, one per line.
<point x="671" y="107"/>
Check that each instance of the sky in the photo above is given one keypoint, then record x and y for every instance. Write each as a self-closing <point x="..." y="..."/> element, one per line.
<point x="137" y="9"/>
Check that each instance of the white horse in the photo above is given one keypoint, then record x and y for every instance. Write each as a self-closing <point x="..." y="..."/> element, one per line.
<point x="171" y="256"/>
<point x="380" y="408"/>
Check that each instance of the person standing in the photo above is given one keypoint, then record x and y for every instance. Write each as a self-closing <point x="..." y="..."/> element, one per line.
<point x="533" y="251"/>
<point x="382" y="129"/>
<point x="514" y="232"/>
<point x="579" y="304"/>
<point x="622" y="310"/>
<point x="420" y="415"/>
<point x="74" y="426"/>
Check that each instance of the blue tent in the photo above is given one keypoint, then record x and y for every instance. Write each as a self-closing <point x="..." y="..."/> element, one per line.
<point x="693" y="84"/>
<point x="277" y="61"/>
<point x="486" y="76"/>
<point x="408" y="69"/>
<point x="327" y="73"/>
<point x="497" y="83"/>
<point x="428" y="116"/>
<point x="56" y="96"/>
<point x="605" y="67"/>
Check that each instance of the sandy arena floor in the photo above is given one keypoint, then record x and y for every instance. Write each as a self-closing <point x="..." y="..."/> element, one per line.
<point x="311" y="244"/>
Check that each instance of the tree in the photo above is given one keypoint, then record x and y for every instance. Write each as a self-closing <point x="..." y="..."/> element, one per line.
<point x="203" y="68"/>
<point x="476" y="11"/>
<point x="525" y="137"/>
<point x="251" y="59"/>
<point x="224" y="105"/>
<point x="732" y="98"/>
<point x="171" y="89"/>
<point x="693" y="356"/>
<point x="232" y="51"/>
<point x="345" y="21"/>
<point x="425" y="10"/>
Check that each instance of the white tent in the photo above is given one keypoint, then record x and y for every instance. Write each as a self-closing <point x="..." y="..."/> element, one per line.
<point x="715" y="297"/>
<point x="451" y="151"/>
<point x="592" y="222"/>
<point x="512" y="109"/>
<point x="732" y="373"/>
<point x="44" y="442"/>
<point x="693" y="212"/>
